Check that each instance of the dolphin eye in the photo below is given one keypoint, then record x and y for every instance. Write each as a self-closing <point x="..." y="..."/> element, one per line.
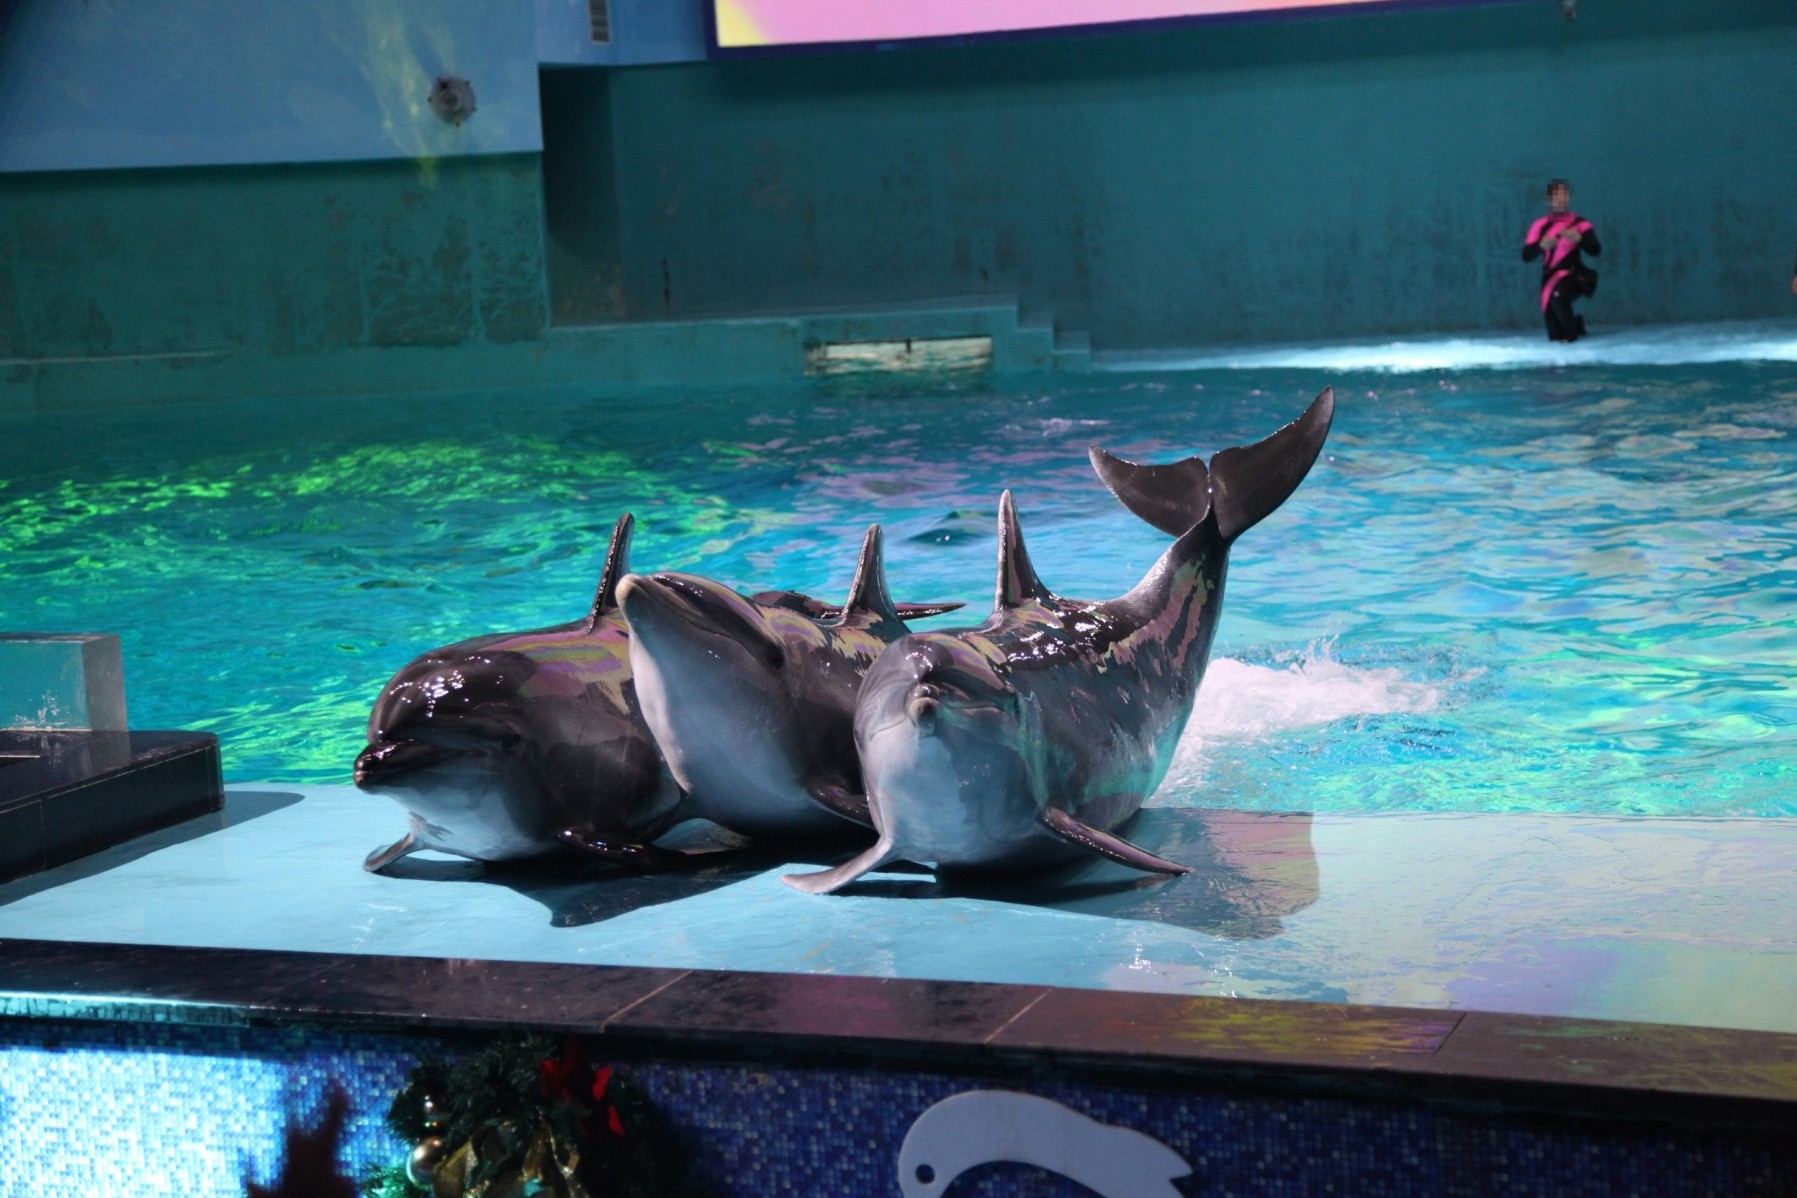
<point x="775" y="657"/>
<point x="925" y="1174"/>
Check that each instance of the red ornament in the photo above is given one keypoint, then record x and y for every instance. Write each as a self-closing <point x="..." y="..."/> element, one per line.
<point x="560" y="1079"/>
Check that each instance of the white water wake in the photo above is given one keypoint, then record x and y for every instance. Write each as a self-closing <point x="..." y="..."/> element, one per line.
<point x="1240" y="702"/>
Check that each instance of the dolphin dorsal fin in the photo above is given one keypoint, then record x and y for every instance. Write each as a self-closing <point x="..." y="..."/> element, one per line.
<point x="1017" y="581"/>
<point x="617" y="565"/>
<point x="1248" y="482"/>
<point x="1175" y="498"/>
<point x="868" y="593"/>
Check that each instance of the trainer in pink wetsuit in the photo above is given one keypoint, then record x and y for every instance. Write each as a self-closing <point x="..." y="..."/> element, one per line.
<point x="1558" y="239"/>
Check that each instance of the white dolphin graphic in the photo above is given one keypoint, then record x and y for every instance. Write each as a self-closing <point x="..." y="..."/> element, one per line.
<point x="982" y="1126"/>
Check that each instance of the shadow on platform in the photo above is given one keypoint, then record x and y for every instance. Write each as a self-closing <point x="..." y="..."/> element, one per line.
<point x="1249" y="871"/>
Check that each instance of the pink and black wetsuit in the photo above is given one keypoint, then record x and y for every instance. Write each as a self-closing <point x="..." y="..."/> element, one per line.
<point x="1564" y="275"/>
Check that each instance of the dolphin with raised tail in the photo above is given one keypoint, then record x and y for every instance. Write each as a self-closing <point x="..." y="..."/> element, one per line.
<point x="753" y="702"/>
<point x="1034" y="736"/>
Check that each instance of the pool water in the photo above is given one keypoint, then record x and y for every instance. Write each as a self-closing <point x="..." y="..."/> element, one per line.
<point x="1554" y="590"/>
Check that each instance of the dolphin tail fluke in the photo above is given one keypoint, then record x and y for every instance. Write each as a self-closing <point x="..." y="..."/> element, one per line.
<point x="1249" y="482"/>
<point x="617" y="565"/>
<point x="830" y="880"/>
<point x="1107" y="845"/>
<point x="645" y="857"/>
<point x="380" y="859"/>
<point x="1174" y="498"/>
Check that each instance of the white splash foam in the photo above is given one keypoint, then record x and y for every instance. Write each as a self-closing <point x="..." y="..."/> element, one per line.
<point x="1668" y="345"/>
<point x="1241" y="702"/>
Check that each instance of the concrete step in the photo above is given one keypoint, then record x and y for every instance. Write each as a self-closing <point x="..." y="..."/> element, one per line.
<point x="1073" y="352"/>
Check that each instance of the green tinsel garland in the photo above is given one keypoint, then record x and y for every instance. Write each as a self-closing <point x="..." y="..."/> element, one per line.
<point x="532" y="1116"/>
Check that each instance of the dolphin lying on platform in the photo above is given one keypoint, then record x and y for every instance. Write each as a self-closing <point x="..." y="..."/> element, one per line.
<point x="1033" y="736"/>
<point x="498" y="745"/>
<point x="753" y="702"/>
<point x="521" y="744"/>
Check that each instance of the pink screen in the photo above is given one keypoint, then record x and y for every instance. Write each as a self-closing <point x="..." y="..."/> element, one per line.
<point x="744" y="24"/>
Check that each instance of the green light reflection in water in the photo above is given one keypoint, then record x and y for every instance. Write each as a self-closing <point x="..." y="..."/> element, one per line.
<point x="1559" y="591"/>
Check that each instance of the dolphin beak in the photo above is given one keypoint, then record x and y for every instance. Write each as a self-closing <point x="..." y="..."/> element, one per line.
<point x="645" y="596"/>
<point x="692" y="603"/>
<point x="666" y="593"/>
<point x="379" y="763"/>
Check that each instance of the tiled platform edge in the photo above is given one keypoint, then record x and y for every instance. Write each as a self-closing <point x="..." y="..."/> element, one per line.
<point x="802" y="1084"/>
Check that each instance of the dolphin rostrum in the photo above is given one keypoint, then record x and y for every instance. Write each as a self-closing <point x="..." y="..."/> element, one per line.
<point x="1033" y="736"/>
<point x="752" y="700"/>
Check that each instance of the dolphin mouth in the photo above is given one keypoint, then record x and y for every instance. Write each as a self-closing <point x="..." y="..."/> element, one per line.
<point x="379" y="764"/>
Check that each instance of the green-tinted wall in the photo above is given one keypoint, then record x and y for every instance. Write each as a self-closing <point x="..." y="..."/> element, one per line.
<point x="273" y="259"/>
<point x="1312" y="178"/>
<point x="1303" y="179"/>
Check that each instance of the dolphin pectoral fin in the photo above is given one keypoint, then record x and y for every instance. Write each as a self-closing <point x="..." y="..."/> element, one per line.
<point x="1107" y="845"/>
<point x="382" y="858"/>
<point x="849" y="804"/>
<point x="646" y="857"/>
<point x="829" y="880"/>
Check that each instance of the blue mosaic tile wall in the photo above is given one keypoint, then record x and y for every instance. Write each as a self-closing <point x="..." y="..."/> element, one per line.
<point x="144" y="1109"/>
<point x="155" y="1110"/>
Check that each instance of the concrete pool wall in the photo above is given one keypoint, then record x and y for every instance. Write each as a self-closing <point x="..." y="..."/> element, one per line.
<point x="1375" y="170"/>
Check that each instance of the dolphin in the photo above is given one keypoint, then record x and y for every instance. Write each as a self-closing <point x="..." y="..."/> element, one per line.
<point x="519" y="744"/>
<point x="752" y="701"/>
<point x="1035" y="735"/>
<point x="522" y="744"/>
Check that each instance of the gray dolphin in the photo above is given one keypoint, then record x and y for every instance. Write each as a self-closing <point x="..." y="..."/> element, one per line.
<point x="1033" y="736"/>
<point x="752" y="702"/>
<point x="521" y="744"/>
<point x="518" y="744"/>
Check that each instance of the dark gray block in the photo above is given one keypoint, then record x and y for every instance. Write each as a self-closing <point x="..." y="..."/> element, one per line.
<point x="66" y="794"/>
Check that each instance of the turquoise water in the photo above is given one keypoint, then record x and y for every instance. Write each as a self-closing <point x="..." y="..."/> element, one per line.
<point x="1558" y="591"/>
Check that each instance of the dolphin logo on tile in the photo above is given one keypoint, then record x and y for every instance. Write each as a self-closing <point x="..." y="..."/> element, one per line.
<point x="984" y="1126"/>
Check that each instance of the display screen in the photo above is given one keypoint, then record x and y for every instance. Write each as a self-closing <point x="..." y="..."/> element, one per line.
<point x="769" y="24"/>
